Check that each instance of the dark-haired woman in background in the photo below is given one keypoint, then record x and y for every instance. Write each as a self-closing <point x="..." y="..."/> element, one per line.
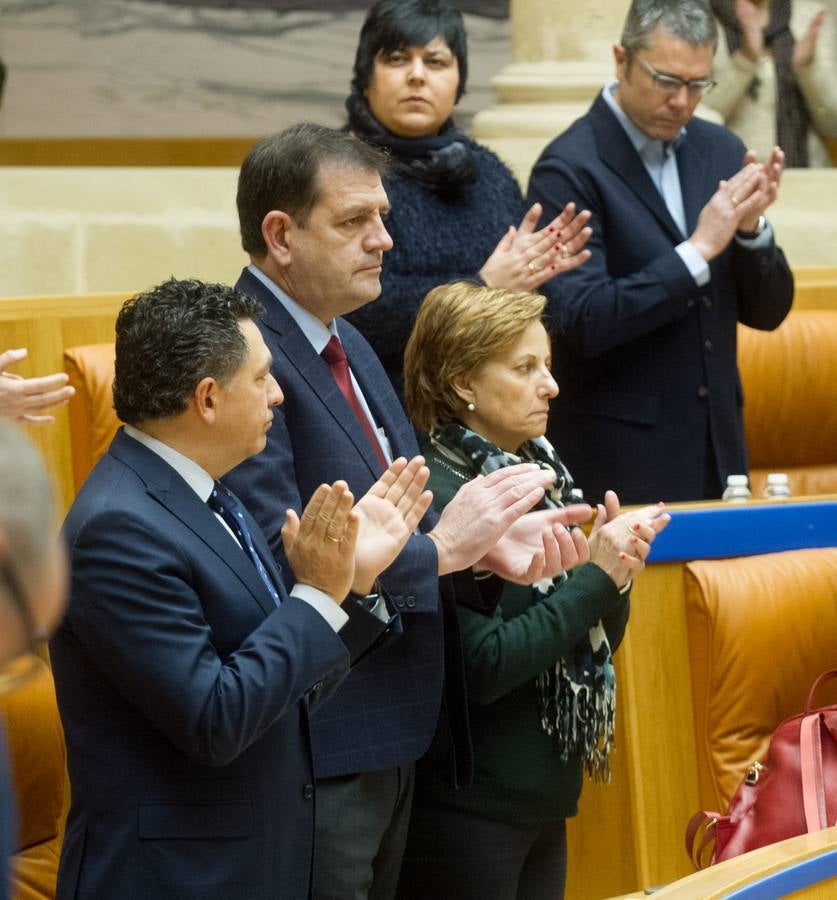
<point x="457" y="210"/>
<point x="540" y="679"/>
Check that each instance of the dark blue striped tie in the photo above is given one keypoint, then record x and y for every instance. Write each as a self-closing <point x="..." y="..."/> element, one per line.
<point x="229" y="508"/>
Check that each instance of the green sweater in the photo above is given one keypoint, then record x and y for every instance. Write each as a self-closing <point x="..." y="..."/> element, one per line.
<point x="518" y="772"/>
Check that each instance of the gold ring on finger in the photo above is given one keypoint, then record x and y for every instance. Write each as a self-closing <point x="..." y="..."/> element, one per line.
<point x="564" y="252"/>
<point x="533" y="268"/>
<point x="734" y="201"/>
<point x="335" y="539"/>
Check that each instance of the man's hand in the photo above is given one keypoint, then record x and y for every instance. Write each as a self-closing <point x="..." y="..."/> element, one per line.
<point x="619" y="544"/>
<point x="773" y="169"/>
<point x="482" y="510"/>
<point x="389" y="512"/>
<point x="21" y="397"/>
<point x="321" y="547"/>
<point x="538" y="545"/>
<point x="737" y="204"/>
<point x="524" y="258"/>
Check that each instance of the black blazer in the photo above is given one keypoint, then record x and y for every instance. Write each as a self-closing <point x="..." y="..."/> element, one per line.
<point x="184" y="694"/>
<point x="645" y="360"/>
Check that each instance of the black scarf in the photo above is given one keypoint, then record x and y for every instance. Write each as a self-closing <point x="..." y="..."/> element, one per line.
<point x="444" y="163"/>
<point x="792" y="118"/>
<point x="577" y="696"/>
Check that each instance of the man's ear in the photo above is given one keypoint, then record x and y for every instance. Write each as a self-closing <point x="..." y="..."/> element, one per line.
<point x="620" y="58"/>
<point x="276" y="226"/>
<point x="205" y="399"/>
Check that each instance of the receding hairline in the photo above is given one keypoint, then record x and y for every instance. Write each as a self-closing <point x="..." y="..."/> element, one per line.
<point x="341" y="168"/>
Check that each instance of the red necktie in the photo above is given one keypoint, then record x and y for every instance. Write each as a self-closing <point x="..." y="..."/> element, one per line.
<point x="334" y="355"/>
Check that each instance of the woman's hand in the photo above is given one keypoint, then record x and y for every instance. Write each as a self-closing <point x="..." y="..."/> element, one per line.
<point x="524" y="259"/>
<point x="805" y="48"/>
<point x="619" y="544"/>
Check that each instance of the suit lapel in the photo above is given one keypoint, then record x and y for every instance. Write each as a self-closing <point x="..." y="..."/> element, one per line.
<point x="172" y="492"/>
<point x="692" y="168"/>
<point x="618" y="153"/>
<point x="312" y="368"/>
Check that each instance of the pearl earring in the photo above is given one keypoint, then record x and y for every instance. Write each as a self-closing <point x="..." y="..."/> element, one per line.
<point x="471" y="407"/>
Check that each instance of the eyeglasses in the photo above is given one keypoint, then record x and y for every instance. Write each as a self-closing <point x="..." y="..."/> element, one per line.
<point x="671" y="84"/>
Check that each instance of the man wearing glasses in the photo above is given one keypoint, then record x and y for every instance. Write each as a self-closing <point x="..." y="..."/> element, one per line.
<point x="645" y="350"/>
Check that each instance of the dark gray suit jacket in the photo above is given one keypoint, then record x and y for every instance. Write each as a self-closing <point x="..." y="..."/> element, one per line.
<point x="386" y="712"/>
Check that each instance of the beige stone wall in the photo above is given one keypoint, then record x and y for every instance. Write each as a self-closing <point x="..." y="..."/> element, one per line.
<point x="79" y="231"/>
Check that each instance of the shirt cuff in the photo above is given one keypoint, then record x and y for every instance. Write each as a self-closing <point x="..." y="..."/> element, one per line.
<point x="698" y="267"/>
<point x="324" y="605"/>
<point x="760" y="241"/>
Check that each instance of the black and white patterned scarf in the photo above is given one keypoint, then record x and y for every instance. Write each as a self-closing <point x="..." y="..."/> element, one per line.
<point x="578" y="694"/>
<point x="444" y="163"/>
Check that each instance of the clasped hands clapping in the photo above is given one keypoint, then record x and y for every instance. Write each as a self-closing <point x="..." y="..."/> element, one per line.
<point x="738" y="203"/>
<point x="340" y="546"/>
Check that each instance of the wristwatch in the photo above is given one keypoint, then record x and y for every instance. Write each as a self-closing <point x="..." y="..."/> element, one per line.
<point x="367" y="601"/>
<point x="749" y="235"/>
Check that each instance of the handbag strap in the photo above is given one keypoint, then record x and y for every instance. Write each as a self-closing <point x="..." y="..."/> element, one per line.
<point x="813" y="784"/>
<point x="706" y="820"/>
<point x="826" y="676"/>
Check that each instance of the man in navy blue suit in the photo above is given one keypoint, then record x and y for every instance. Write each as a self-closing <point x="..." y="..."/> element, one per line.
<point x="645" y="349"/>
<point x="312" y="210"/>
<point x="185" y="672"/>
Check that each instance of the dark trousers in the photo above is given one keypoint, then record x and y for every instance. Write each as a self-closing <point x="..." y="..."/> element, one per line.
<point x="456" y="855"/>
<point x="359" y="834"/>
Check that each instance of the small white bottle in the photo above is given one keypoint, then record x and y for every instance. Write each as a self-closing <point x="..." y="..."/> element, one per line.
<point x="777" y="485"/>
<point x="737" y="489"/>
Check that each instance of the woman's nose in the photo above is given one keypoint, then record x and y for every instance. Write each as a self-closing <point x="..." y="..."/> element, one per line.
<point x="550" y="385"/>
<point x="416" y="70"/>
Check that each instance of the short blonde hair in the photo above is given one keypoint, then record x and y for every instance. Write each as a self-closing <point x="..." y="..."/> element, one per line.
<point x="458" y="328"/>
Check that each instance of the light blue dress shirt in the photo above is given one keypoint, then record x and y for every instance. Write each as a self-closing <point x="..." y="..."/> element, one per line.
<point x="660" y="161"/>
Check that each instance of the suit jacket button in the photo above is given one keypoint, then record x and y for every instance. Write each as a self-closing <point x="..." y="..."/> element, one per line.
<point x="706" y="300"/>
<point x="308" y="791"/>
<point x="703" y="392"/>
<point x="411" y="602"/>
<point x="399" y="602"/>
<point x="690" y="302"/>
<point x="708" y="345"/>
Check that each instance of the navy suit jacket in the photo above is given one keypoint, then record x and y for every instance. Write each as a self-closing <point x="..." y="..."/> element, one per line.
<point x="184" y="693"/>
<point x="645" y="360"/>
<point x="386" y="712"/>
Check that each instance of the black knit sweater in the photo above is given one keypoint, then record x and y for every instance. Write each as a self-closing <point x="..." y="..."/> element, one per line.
<point x="436" y="240"/>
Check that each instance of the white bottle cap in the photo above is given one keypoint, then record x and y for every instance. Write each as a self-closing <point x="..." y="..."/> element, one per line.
<point x="777" y="478"/>
<point x="737" y="480"/>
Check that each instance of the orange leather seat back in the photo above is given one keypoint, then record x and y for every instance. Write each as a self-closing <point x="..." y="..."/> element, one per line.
<point x="761" y="629"/>
<point x="38" y="761"/>
<point x="790" y="414"/>
<point x="93" y="421"/>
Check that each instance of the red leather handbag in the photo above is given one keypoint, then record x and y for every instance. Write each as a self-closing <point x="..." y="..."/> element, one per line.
<point x="793" y="792"/>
